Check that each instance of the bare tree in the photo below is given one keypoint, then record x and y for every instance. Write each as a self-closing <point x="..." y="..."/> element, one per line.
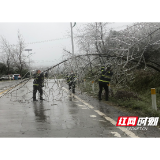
<point x="92" y="34"/>
<point x="18" y="55"/>
<point x="6" y="54"/>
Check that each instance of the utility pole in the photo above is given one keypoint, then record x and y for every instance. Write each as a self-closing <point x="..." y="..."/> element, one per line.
<point x="74" y="59"/>
<point x="72" y="39"/>
<point x="29" y="59"/>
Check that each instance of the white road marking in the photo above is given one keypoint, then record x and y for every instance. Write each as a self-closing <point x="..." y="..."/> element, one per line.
<point x="93" y="116"/>
<point x="102" y="120"/>
<point x="80" y="105"/>
<point x="88" y="105"/>
<point x="116" y="134"/>
<point x="84" y="108"/>
<point x="129" y="133"/>
<point x="100" y="113"/>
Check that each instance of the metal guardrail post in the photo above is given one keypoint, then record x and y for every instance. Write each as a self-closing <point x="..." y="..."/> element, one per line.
<point x="153" y="96"/>
<point x="93" y="86"/>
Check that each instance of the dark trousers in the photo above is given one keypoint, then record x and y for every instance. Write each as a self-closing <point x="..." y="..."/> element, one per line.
<point x="39" y="88"/>
<point x="105" y="86"/>
<point x="72" y="86"/>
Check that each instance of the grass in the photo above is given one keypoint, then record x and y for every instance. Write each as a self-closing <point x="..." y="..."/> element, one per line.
<point x="141" y="106"/>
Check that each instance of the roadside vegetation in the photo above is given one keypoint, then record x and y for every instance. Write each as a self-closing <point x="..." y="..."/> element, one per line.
<point x="5" y="71"/>
<point x="136" y="98"/>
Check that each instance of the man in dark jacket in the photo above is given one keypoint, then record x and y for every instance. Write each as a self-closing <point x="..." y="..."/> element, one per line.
<point x="67" y="77"/>
<point x="38" y="83"/>
<point x="104" y="81"/>
<point x="72" y="82"/>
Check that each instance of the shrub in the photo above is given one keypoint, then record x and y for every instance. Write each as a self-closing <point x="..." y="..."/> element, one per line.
<point x="125" y="95"/>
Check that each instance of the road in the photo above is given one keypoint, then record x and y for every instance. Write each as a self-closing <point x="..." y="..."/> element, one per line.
<point x="7" y="84"/>
<point x="61" y="114"/>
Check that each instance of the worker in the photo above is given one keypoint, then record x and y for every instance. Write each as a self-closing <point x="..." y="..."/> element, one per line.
<point x="72" y="82"/>
<point x="104" y="81"/>
<point x="67" y="77"/>
<point x="38" y="83"/>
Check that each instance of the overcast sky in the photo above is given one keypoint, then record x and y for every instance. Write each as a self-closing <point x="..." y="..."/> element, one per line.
<point x="47" y="39"/>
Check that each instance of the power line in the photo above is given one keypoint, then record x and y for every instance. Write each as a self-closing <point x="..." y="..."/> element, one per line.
<point x="47" y="40"/>
<point x="43" y="41"/>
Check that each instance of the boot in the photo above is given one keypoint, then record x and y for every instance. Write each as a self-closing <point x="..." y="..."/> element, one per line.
<point x="106" y="97"/>
<point x="34" y="99"/>
<point x="42" y="99"/>
<point x="100" y="97"/>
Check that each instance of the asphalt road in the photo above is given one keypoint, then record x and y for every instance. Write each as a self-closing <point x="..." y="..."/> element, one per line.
<point x="60" y="115"/>
<point x="7" y="84"/>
